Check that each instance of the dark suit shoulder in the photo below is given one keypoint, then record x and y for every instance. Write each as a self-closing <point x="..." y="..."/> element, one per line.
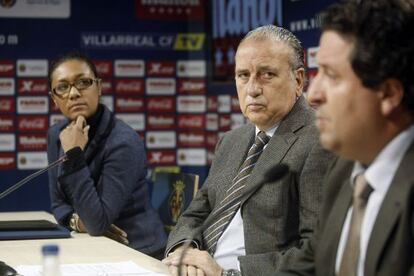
<point x="337" y="173"/>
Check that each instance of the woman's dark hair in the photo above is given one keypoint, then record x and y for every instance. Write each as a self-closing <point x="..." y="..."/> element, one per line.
<point x="70" y="56"/>
<point x="383" y="36"/>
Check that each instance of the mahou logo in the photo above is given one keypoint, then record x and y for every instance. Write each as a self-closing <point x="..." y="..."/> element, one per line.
<point x="7" y="105"/>
<point x="32" y="86"/>
<point x="32" y="123"/>
<point x="191" y="139"/>
<point x="32" y="142"/>
<point x="161" y="121"/>
<point x="129" y="104"/>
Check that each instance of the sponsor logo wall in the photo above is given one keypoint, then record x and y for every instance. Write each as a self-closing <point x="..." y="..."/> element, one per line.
<point x="159" y="61"/>
<point x="165" y="101"/>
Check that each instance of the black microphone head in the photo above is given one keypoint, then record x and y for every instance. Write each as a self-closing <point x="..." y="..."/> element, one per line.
<point x="276" y="172"/>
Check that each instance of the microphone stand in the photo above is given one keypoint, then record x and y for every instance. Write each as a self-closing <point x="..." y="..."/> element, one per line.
<point x="30" y="177"/>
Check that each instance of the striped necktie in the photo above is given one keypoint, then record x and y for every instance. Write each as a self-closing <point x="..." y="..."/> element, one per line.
<point x="227" y="208"/>
<point x="349" y="262"/>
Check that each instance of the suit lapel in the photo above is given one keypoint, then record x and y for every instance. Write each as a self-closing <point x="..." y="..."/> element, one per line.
<point x="276" y="149"/>
<point x="329" y="238"/>
<point x="278" y="146"/>
<point x="389" y="212"/>
<point x="238" y="154"/>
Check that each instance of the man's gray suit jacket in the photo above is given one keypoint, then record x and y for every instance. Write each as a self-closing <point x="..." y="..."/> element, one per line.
<point x="390" y="250"/>
<point x="279" y="215"/>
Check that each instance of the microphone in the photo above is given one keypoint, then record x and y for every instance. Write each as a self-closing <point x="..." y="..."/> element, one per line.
<point x="6" y="270"/>
<point x="30" y="177"/>
<point x="273" y="174"/>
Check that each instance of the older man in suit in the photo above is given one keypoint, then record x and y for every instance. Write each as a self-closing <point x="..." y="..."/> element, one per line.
<point x="365" y="96"/>
<point x="241" y="221"/>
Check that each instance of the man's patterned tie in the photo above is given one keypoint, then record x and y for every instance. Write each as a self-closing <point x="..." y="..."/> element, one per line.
<point x="228" y="207"/>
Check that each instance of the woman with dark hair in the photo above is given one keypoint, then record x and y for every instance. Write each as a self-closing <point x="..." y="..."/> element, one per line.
<point x="101" y="187"/>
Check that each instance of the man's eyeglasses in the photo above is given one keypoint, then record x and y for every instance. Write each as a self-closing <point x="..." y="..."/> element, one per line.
<point x="63" y="88"/>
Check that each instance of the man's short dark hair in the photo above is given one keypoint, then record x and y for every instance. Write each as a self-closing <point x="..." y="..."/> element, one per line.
<point x="383" y="33"/>
<point x="70" y="56"/>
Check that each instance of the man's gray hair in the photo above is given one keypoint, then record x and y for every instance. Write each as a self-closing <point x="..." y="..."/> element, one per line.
<point x="279" y="34"/>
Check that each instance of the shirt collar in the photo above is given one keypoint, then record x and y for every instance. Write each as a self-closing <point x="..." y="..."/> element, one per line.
<point x="381" y="171"/>
<point x="270" y="131"/>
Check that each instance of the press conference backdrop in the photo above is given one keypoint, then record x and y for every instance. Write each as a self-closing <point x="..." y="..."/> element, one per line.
<point x="166" y="69"/>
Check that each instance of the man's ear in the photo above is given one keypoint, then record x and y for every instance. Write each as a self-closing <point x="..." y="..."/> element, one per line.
<point x="392" y="93"/>
<point x="300" y="80"/>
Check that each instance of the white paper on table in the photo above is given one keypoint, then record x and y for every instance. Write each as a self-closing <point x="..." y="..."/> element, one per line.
<point x="128" y="268"/>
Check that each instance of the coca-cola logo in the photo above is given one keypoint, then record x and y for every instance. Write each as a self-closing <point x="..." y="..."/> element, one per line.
<point x="161" y="104"/>
<point x="129" y="86"/>
<point x="32" y="123"/>
<point x="191" y="121"/>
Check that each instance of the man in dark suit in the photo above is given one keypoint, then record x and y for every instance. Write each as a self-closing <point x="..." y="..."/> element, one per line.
<point x="365" y="96"/>
<point x="268" y="224"/>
